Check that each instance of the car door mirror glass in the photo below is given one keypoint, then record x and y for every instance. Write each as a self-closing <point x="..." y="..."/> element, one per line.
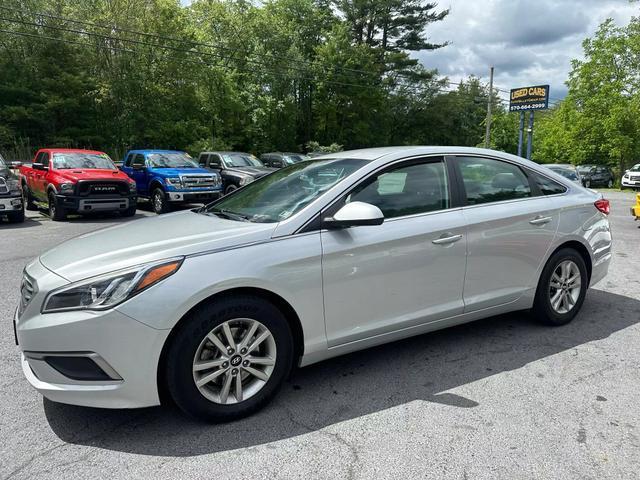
<point x="355" y="214"/>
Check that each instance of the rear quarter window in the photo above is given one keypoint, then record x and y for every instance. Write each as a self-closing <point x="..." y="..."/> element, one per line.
<point x="546" y="185"/>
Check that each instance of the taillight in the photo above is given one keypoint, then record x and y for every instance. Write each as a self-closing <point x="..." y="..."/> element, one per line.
<point x="603" y="206"/>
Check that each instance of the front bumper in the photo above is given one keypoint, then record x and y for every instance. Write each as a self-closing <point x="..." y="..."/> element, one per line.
<point x="204" y="196"/>
<point x="630" y="183"/>
<point x="94" y="203"/>
<point x="125" y="350"/>
<point x="10" y="204"/>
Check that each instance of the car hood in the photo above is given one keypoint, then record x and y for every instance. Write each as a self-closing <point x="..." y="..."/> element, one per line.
<point x="255" y="172"/>
<point x="75" y="174"/>
<point x="147" y="240"/>
<point x="176" y="172"/>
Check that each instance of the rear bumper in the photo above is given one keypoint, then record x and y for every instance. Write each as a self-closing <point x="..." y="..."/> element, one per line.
<point x="94" y="203"/>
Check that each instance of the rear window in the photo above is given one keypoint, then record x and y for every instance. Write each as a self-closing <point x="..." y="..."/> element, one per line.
<point x="546" y="185"/>
<point x="489" y="180"/>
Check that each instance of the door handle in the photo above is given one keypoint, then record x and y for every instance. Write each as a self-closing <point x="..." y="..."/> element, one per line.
<point x="446" y="238"/>
<point x="540" y="220"/>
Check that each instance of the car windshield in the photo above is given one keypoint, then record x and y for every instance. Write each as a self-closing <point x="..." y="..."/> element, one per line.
<point x="566" y="172"/>
<point x="171" y="160"/>
<point x="86" y="161"/>
<point x="241" y="160"/>
<point x="276" y="197"/>
<point x="291" y="158"/>
<point x="635" y="168"/>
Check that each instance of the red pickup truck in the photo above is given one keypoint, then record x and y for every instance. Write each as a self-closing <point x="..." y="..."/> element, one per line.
<point x="77" y="181"/>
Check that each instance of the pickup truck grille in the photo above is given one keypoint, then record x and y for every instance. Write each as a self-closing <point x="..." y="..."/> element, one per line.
<point x="102" y="188"/>
<point x="200" y="181"/>
<point x="28" y="288"/>
<point x="3" y="186"/>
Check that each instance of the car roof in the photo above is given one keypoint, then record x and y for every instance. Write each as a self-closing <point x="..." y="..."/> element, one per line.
<point x="146" y="151"/>
<point x="71" y="150"/>
<point x="378" y="152"/>
<point x="225" y="151"/>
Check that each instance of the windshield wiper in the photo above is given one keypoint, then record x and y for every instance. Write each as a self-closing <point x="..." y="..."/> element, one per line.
<point x="220" y="212"/>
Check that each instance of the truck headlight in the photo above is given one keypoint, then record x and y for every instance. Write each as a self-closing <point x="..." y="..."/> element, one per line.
<point x="174" y="181"/>
<point x="13" y="185"/>
<point x="107" y="291"/>
<point x="66" y="188"/>
<point x="246" y="180"/>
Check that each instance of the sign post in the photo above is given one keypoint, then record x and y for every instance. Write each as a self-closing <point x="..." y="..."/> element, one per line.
<point x="528" y="98"/>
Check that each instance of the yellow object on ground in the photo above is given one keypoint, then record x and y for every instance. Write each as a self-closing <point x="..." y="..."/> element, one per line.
<point x="635" y="210"/>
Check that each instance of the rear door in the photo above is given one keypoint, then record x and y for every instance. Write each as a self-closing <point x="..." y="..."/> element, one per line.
<point x="403" y="273"/>
<point x="511" y="226"/>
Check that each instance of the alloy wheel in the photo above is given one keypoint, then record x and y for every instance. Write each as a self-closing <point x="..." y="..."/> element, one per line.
<point x="234" y="361"/>
<point x="157" y="202"/>
<point x="564" y="287"/>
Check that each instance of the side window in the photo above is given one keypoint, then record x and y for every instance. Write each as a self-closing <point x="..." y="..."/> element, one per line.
<point x="129" y="159"/>
<point x="138" y="160"/>
<point x="406" y="190"/>
<point x="43" y="158"/>
<point x="546" y="185"/>
<point x="215" y="161"/>
<point x="202" y="159"/>
<point x="488" y="180"/>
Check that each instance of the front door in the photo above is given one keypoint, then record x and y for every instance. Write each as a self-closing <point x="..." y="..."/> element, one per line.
<point x="405" y="272"/>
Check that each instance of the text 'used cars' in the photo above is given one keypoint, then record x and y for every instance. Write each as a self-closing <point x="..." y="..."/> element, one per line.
<point x="216" y="305"/>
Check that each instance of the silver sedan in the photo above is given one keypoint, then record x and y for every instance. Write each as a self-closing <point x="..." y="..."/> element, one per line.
<point x="216" y="305"/>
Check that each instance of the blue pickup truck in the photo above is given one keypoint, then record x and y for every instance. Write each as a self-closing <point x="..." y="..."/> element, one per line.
<point x="169" y="177"/>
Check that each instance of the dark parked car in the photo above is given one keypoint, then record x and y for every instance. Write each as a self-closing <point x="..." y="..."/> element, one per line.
<point x="596" y="175"/>
<point x="11" y="204"/>
<point x="281" y="159"/>
<point x="237" y="169"/>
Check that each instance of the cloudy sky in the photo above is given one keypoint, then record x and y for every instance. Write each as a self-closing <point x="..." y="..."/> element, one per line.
<point x="528" y="43"/>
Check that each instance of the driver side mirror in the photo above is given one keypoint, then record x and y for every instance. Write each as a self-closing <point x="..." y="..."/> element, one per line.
<point x="355" y="214"/>
<point x="39" y="166"/>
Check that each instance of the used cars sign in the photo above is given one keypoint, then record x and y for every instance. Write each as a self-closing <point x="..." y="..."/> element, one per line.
<point x="529" y="98"/>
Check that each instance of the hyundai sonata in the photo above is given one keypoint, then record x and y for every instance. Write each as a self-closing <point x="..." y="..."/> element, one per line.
<point x="216" y="305"/>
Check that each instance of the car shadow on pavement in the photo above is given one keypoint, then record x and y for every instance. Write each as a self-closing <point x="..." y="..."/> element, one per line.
<point x="421" y="368"/>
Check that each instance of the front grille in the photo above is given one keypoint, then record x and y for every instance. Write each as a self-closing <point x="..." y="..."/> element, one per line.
<point x="4" y="188"/>
<point x="200" y="181"/>
<point x="102" y="188"/>
<point x="634" y="177"/>
<point x="28" y="288"/>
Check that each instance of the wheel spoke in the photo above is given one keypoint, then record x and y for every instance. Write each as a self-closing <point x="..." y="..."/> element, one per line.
<point x="224" y="393"/>
<point x="249" y="335"/>
<point x="261" y="338"/>
<point x="211" y="376"/>
<point x="208" y="364"/>
<point x="238" y="388"/>
<point x="261" y="360"/>
<point x="564" y="267"/>
<point x="570" y="301"/>
<point x="555" y="300"/>
<point x="213" y="338"/>
<point x="257" y="373"/>
<point x="228" y="335"/>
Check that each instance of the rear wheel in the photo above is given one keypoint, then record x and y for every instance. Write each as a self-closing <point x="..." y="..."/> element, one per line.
<point x="587" y="183"/>
<point x="561" y="289"/>
<point x="229" y="358"/>
<point x="610" y="183"/>
<point x="159" y="201"/>
<point x="56" y="213"/>
<point x="28" y="198"/>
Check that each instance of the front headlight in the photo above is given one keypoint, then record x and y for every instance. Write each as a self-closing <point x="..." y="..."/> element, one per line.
<point x="626" y="176"/>
<point x="66" y="188"/>
<point x="107" y="291"/>
<point x="13" y="185"/>
<point x="246" y="180"/>
<point x="174" y="181"/>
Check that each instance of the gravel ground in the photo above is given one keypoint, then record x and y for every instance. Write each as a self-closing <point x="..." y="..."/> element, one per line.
<point x="499" y="398"/>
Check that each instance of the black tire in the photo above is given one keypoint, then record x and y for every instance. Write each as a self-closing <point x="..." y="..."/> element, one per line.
<point x="130" y="211"/>
<point x="16" y="216"/>
<point x="179" y="378"/>
<point x="229" y="189"/>
<point x="542" y="309"/>
<point x="610" y="184"/>
<point x="159" y="201"/>
<point x="28" y="199"/>
<point x="56" y="213"/>
<point x="587" y="183"/>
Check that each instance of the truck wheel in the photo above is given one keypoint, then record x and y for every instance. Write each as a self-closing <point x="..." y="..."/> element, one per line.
<point x="56" y="214"/>
<point x="610" y="183"/>
<point x="229" y="358"/>
<point x="130" y="211"/>
<point x="28" y="199"/>
<point x="230" y="188"/>
<point x="159" y="201"/>
<point x="587" y="183"/>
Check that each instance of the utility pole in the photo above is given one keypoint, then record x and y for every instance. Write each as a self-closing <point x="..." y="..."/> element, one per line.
<point x="530" y="135"/>
<point x="487" y="134"/>
<point x="520" y="133"/>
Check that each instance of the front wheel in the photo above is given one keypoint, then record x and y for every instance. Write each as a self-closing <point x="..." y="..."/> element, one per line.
<point x="16" y="216"/>
<point x="229" y="358"/>
<point x="130" y="211"/>
<point x="610" y="184"/>
<point x="587" y="183"/>
<point x="229" y="189"/>
<point x="561" y="289"/>
<point x="56" y="213"/>
<point x="159" y="201"/>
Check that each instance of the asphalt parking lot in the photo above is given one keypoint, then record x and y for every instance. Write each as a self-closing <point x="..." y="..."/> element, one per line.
<point x="500" y="398"/>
